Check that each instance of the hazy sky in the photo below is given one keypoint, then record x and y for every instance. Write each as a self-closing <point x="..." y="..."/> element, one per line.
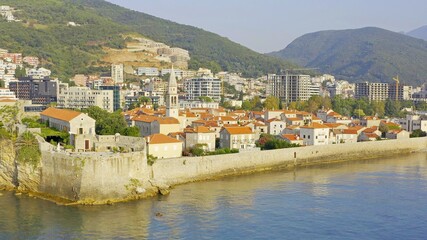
<point x="269" y="25"/>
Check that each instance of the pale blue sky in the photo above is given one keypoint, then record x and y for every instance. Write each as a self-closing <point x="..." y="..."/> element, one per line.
<point x="269" y="25"/>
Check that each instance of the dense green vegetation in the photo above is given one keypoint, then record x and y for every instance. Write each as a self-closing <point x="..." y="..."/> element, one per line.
<point x="270" y="142"/>
<point x="27" y="149"/>
<point x="110" y="123"/>
<point x="70" y="50"/>
<point x="418" y="133"/>
<point x="65" y="50"/>
<point x="367" y="54"/>
<point x="207" y="49"/>
<point x="357" y="107"/>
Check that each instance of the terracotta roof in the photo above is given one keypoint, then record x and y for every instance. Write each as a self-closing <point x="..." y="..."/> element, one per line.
<point x="200" y="129"/>
<point x="290" y="112"/>
<point x="315" y="125"/>
<point x="211" y="124"/>
<point x="349" y="131"/>
<point x="291" y="137"/>
<point x="190" y="114"/>
<point x="238" y="130"/>
<point x="175" y="134"/>
<point x="161" y="120"/>
<point x="273" y="120"/>
<point x="333" y="125"/>
<point x="145" y="118"/>
<point x="294" y="119"/>
<point x="292" y="127"/>
<point x="335" y="114"/>
<point x="159" y="138"/>
<point x="168" y="120"/>
<point x="371" y="135"/>
<point x="7" y="100"/>
<point x="60" y="114"/>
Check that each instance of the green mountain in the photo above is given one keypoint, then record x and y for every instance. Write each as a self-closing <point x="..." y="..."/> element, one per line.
<point x="367" y="54"/>
<point x="420" y="33"/>
<point x="69" y="50"/>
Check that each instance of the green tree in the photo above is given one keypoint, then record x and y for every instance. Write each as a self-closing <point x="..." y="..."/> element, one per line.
<point x="10" y="116"/>
<point x="418" y="133"/>
<point x="359" y="113"/>
<point x="27" y="149"/>
<point x="20" y="72"/>
<point x="392" y="108"/>
<point x="247" y="105"/>
<point x="205" y="99"/>
<point x="271" y="103"/>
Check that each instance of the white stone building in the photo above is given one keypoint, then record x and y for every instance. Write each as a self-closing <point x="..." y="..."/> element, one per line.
<point x="315" y="134"/>
<point x="84" y="97"/>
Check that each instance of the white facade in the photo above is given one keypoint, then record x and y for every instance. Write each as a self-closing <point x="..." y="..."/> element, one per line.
<point x="291" y="88"/>
<point x="203" y="87"/>
<point x="84" y="97"/>
<point x="172" y="104"/>
<point x="147" y="71"/>
<point x="38" y="73"/>
<point x="414" y="122"/>
<point x="314" y="135"/>
<point x="117" y="73"/>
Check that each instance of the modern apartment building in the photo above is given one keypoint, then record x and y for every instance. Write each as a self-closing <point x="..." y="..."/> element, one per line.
<point x="148" y="71"/>
<point x="117" y="100"/>
<point x="372" y="91"/>
<point x="117" y="73"/>
<point x="291" y="88"/>
<point x="203" y="87"/>
<point x="403" y="92"/>
<point x="41" y="91"/>
<point x="84" y="97"/>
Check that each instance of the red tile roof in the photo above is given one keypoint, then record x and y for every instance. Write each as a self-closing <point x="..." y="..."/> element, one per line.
<point x="315" y="126"/>
<point x="60" y="114"/>
<point x="238" y="130"/>
<point x="291" y="137"/>
<point x="159" y="138"/>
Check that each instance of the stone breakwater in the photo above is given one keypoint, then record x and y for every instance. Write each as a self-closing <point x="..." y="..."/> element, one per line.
<point x="99" y="178"/>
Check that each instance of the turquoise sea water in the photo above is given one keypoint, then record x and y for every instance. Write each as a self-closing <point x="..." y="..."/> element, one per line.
<point x="376" y="199"/>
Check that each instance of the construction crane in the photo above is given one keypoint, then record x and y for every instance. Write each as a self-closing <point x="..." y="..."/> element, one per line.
<point x="397" y="86"/>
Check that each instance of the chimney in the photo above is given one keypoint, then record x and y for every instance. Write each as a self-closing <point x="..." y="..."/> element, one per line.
<point x="177" y="136"/>
<point x="148" y="139"/>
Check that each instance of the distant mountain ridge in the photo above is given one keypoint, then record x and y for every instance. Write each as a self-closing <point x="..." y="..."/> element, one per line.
<point x="420" y="33"/>
<point x="366" y="54"/>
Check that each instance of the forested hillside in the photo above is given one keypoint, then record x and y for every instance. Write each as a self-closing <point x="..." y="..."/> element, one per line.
<point x="367" y="54"/>
<point x="67" y="50"/>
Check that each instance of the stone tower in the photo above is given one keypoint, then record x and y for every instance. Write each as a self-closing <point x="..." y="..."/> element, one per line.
<point x="172" y="105"/>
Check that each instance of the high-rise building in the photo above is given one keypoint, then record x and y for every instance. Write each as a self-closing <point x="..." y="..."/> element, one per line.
<point x="116" y="95"/>
<point x="41" y="91"/>
<point x="203" y="87"/>
<point x="372" y="91"/>
<point x="117" y="73"/>
<point x="291" y="88"/>
<point x="172" y="105"/>
<point x="84" y="97"/>
<point x="403" y="92"/>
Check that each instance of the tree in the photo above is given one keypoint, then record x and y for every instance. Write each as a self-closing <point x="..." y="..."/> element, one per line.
<point x="20" y="72"/>
<point x="418" y="133"/>
<point x="383" y="129"/>
<point x="108" y="123"/>
<point x="10" y="116"/>
<point x="246" y="105"/>
<point x="256" y="104"/>
<point x="359" y="113"/>
<point x="378" y="108"/>
<point x="392" y="108"/>
<point x="205" y="99"/>
<point x="27" y="149"/>
<point x="271" y="103"/>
